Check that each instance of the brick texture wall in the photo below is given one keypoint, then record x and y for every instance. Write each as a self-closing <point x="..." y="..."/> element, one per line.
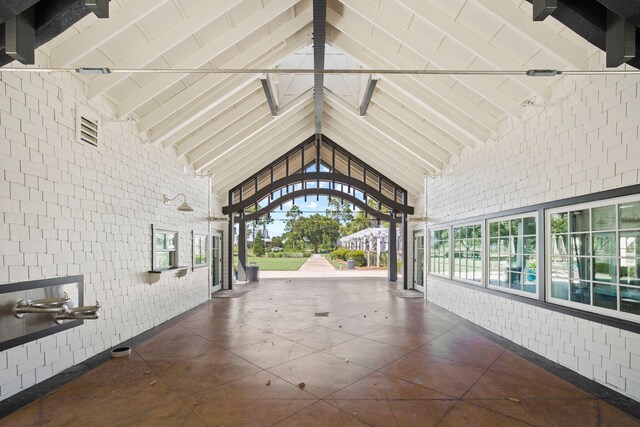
<point x="68" y="208"/>
<point x="582" y="141"/>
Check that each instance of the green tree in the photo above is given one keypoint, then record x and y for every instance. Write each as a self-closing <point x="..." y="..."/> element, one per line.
<point x="258" y="244"/>
<point x="319" y="231"/>
<point x="339" y="210"/>
<point x="277" y="242"/>
<point x="292" y="235"/>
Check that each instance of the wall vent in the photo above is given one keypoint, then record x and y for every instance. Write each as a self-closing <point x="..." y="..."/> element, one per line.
<point x="88" y="127"/>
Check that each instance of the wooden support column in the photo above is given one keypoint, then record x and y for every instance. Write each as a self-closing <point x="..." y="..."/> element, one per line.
<point x="230" y="253"/>
<point x="405" y="258"/>
<point x="393" y="250"/>
<point x="242" y="250"/>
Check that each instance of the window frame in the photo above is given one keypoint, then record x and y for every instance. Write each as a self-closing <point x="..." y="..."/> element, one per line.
<point x="195" y="236"/>
<point x="154" y="251"/>
<point x="434" y="229"/>
<point x="590" y="308"/>
<point x="487" y="239"/>
<point x="452" y="252"/>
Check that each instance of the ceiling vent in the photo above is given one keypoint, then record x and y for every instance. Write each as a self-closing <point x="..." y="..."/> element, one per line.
<point x="88" y="127"/>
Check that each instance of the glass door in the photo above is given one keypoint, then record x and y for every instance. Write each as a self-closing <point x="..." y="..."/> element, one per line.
<point x="216" y="261"/>
<point x="418" y="260"/>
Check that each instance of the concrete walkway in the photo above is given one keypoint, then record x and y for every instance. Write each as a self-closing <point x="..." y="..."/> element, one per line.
<point x="318" y="266"/>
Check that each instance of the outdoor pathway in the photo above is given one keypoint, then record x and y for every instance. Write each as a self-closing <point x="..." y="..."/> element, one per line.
<point x="318" y="266"/>
<point x="331" y="352"/>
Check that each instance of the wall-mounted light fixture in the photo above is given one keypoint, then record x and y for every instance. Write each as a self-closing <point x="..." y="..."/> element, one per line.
<point x="184" y="207"/>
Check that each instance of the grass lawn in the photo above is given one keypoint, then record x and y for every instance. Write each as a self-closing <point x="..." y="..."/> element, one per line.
<point x="337" y="263"/>
<point x="276" y="264"/>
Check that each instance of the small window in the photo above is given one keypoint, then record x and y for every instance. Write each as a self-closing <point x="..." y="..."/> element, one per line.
<point x="199" y="250"/>
<point x="165" y="249"/>
<point x="467" y="252"/>
<point x="513" y="254"/>
<point x="439" y="252"/>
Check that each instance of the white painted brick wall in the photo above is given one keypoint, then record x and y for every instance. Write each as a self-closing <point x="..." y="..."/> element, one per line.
<point x="586" y="142"/>
<point x="68" y="208"/>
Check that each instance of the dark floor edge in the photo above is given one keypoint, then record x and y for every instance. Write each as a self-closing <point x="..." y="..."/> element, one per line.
<point x="48" y="386"/>
<point x="610" y="396"/>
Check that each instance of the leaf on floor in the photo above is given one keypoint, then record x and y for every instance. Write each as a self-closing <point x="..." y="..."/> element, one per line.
<point x="146" y="372"/>
<point x="513" y="399"/>
<point x="269" y="383"/>
<point x="153" y="382"/>
<point x="302" y="385"/>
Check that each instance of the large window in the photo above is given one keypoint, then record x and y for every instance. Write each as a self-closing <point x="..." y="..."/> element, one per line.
<point x="439" y="252"/>
<point x="594" y="260"/>
<point x="512" y="254"/>
<point x="467" y="252"/>
<point x="165" y="249"/>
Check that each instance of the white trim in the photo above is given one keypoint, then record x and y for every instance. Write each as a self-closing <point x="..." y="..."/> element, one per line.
<point x="193" y="251"/>
<point x="487" y="238"/>
<point x="576" y="305"/>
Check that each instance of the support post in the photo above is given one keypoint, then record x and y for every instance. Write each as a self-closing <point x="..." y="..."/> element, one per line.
<point x="20" y="37"/>
<point x="378" y="251"/>
<point x="405" y="269"/>
<point x="242" y="250"/>
<point x="426" y="236"/>
<point x="393" y="250"/>
<point x="230" y="253"/>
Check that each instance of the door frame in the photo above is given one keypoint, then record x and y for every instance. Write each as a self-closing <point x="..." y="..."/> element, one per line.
<point x="218" y="234"/>
<point x="416" y="234"/>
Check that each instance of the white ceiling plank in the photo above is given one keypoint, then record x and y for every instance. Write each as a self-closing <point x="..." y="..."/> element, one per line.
<point x="395" y="168"/>
<point x="231" y="115"/>
<point x="230" y="144"/>
<point x="437" y="58"/>
<point x="476" y="44"/>
<point x="70" y="52"/>
<point x="393" y="173"/>
<point x="281" y="43"/>
<point x="250" y="119"/>
<point x="515" y="18"/>
<point x="200" y="57"/>
<point x="428" y="162"/>
<point x="409" y="117"/>
<point x="376" y="142"/>
<point x="348" y="39"/>
<point x="164" y="42"/>
<point x="414" y="103"/>
<point x="398" y="132"/>
<point x="271" y="147"/>
<point x="211" y="114"/>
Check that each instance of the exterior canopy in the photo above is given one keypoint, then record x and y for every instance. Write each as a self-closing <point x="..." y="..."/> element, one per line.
<point x="318" y="166"/>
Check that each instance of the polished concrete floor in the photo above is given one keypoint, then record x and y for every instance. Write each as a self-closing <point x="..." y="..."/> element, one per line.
<point x="268" y="358"/>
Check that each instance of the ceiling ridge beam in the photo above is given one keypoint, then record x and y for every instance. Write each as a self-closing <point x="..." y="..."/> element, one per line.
<point x="165" y="41"/>
<point x="293" y="37"/>
<point x="434" y="56"/>
<point x="319" y="40"/>
<point x="537" y="32"/>
<point x="101" y="31"/>
<point x="476" y="44"/>
<point x="205" y="54"/>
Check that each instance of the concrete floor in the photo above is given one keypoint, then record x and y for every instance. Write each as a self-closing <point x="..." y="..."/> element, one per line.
<point x="266" y="358"/>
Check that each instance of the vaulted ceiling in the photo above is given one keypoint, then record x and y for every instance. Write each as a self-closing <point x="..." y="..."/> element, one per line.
<point x="221" y="124"/>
